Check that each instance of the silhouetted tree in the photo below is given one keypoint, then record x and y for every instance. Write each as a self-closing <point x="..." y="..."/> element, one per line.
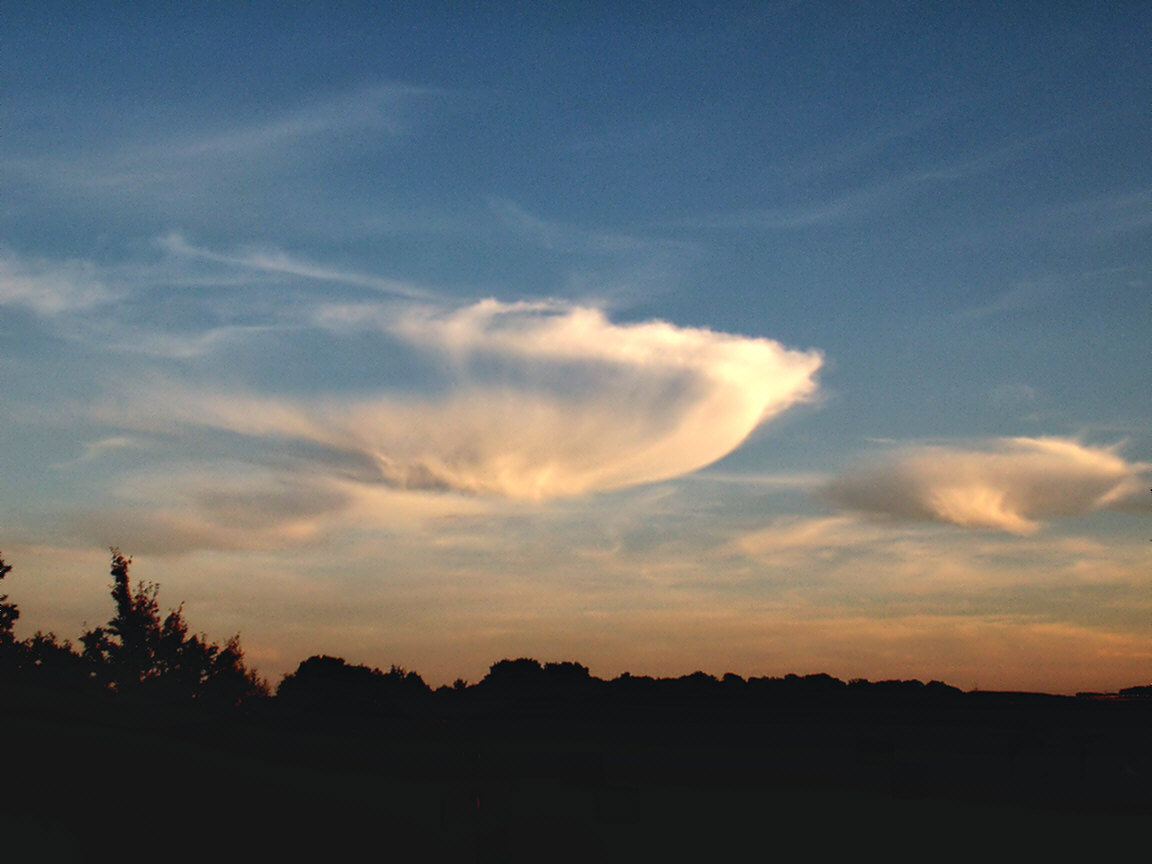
<point x="817" y="684"/>
<point x="570" y="680"/>
<point x="1140" y="691"/>
<point x="404" y="684"/>
<point x="11" y="651"/>
<point x="520" y="674"/>
<point x="138" y="651"/>
<point x="8" y="611"/>
<point x="40" y="660"/>
<point x="331" y="685"/>
<point x="132" y="639"/>
<point x="50" y="662"/>
<point x="567" y="671"/>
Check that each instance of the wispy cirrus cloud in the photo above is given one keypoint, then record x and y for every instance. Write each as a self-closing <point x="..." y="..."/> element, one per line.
<point x="1008" y="484"/>
<point x="545" y="400"/>
<point x="280" y="263"/>
<point x="1106" y="216"/>
<point x="232" y="503"/>
<point x="119" y="308"/>
<point x="156" y="146"/>
<point x="222" y="166"/>
<point x="786" y="536"/>
<point x="561" y="236"/>
<point x="382" y="108"/>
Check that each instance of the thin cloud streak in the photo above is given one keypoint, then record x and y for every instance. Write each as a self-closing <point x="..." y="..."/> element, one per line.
<point x="280" y="263"/>
<point x="810" y="536"/>
<point x="155" y="152"/>
<point x="374" y="108"/>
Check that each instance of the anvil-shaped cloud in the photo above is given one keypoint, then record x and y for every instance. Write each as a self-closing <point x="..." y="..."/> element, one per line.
<point x="1006" y="484"/>
<point x="544" y="400"/>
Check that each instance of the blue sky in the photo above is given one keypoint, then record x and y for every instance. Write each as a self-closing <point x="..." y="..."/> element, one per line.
<point x="751" y="337"/>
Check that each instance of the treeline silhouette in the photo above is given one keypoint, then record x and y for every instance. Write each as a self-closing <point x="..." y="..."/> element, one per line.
<point x="137" y="654"/>
<point x="538" y="761"/>
<point x="140" y="654"/>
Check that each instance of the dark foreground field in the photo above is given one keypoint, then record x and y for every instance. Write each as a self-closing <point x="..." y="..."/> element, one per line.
<point x="712" y="772"/>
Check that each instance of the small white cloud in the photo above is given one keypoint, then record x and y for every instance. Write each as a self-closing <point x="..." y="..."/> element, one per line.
<point x="1009" y="484"/>
<point x="49" y="288"/>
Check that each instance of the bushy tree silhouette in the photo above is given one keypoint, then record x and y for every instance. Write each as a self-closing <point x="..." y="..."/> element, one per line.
<point x="332" y="685"/>
<point x="39" y="660"/>
<point x="137" y="651"/>
<point x="48" y="662"/>
<point x="126" y="650"/>
<point x="523" y="673"/>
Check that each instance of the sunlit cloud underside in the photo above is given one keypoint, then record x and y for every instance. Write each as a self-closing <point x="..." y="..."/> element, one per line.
<point x="543" y="400"/>
<point x="1009" y="484"/>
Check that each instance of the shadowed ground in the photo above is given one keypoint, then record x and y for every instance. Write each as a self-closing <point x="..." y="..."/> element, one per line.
<point x="478" y="775"/>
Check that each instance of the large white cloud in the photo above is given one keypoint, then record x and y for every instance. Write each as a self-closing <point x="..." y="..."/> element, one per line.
<point x="544" y="400"/>
<point x="1008" y="484"/>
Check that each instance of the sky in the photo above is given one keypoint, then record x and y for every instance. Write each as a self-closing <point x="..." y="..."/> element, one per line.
<point x="765" y="338"/>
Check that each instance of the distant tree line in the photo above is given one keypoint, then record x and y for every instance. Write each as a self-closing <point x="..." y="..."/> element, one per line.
<point x="142" y="654"/>
<point x="137" y="653"/>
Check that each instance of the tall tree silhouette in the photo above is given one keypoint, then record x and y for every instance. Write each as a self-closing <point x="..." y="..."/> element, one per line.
<point x="11" y="651"/>
<point x="8" y="611"/>
<point x="137" y="651"/>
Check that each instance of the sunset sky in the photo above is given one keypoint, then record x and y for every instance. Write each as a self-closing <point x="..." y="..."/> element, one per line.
<point x="742" y="337"/>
